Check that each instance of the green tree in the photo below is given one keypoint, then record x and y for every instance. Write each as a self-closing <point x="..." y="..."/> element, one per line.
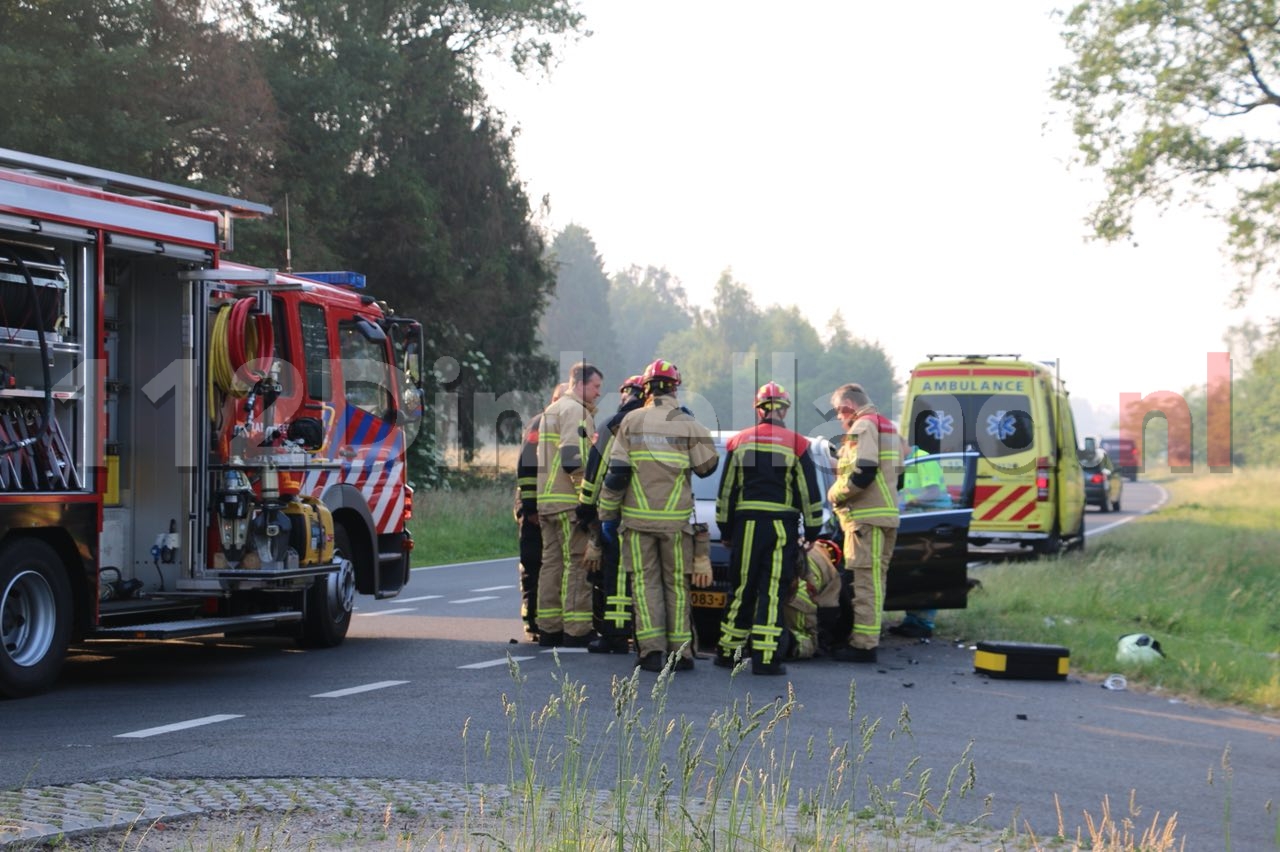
<point x="403" y="170"/>
<point x="728" y="352"/>
<point x="578" y="317"/>
<point x="645" y="305"/>
<point x="1255" y="400"/>
<point x="154" y="89"/>
<point x="1168" y="99"/>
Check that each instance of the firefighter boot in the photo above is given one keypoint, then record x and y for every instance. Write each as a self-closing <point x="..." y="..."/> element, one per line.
<point x="651" y="662"/>
<point x="609" y="645"/>
<point x="760" y="667"/>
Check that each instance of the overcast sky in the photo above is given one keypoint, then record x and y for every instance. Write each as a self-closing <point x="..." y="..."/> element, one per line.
<point x="901" y="162"/>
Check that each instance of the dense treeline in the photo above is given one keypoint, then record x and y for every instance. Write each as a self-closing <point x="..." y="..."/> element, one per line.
<point x="724" y="352"/>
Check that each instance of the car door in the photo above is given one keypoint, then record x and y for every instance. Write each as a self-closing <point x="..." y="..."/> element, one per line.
<point x="929" y="569"/>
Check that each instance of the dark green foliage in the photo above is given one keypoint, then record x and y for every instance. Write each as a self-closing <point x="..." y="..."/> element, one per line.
<point x="724" y="354"/>
<point x="578" y="319"/>
<point x="645" y="305"/>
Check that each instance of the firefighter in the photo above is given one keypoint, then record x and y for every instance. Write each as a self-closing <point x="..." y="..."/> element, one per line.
<point x="647" y="501"/>
<point x="564" y="440"/>
<point x="768" y="489"/>
<point x="865" y="499"/>
<point x="526" y="512"/>
<point x="816" y="614"/>
<point x="611" y="596"/>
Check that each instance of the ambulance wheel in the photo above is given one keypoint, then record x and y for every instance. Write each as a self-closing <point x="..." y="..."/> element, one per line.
<point x="326" y="615"/>
<point x="1050" y="546"/>
<point x="35" y="617"/>
<point x="1076" y="542"/>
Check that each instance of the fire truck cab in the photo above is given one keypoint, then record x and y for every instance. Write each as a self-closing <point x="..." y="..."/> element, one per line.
<point x="187" y="446"/>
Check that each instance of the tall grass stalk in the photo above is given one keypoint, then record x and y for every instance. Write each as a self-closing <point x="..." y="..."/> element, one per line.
<point x="681" y="785"/>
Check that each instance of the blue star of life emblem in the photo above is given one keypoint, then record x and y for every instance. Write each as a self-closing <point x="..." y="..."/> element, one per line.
<point x="1001" y="425"/>
<point x="939" y="425"/>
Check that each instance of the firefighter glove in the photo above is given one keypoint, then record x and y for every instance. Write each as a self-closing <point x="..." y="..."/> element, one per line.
<point x="591" y="559"/>
<point x="702" y="575"/>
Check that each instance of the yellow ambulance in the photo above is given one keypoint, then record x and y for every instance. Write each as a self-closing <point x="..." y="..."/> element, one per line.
<point x="1016" y="413"/>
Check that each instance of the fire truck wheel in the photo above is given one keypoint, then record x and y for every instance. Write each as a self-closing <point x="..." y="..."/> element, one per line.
<point x="35" y="617"/>
<point x="327" y="614"/>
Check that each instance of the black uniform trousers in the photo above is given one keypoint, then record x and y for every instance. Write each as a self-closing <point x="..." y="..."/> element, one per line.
<point x="611" y="599"/>
<point x="530" y="566"/>
<point x="763" y="564"/>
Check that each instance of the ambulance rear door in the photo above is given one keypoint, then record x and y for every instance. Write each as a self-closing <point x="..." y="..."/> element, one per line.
<point x="1003" y="412"/>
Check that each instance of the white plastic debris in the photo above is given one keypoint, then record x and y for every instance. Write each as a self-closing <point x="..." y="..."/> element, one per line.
<point x="1138" y="648"/>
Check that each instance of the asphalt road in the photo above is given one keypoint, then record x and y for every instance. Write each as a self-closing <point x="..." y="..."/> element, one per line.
<point x="418" y="670"/>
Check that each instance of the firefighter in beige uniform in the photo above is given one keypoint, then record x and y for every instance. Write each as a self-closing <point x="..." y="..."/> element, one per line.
<point x="564" y="439"/>
<point x="648" y="489"/>
<point x="865" y="498"/>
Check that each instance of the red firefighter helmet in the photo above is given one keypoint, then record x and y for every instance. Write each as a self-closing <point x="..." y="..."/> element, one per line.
<point x="771" y="396"/>
<point x="833" y="551"/>
<point x="635" y="383"/>
<point x="661" y="371"/>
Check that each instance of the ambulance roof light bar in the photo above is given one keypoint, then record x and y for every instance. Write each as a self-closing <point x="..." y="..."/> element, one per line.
<point x="1015" y="356"/>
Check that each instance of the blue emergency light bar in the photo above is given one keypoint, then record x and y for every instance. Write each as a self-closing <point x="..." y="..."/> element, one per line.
<point x="354" y="280"/>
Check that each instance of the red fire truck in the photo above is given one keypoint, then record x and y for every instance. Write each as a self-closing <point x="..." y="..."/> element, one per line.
<point x="187" y="446"/>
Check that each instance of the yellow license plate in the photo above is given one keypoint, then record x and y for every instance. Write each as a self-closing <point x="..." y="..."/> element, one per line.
<point x="709" y="600"/>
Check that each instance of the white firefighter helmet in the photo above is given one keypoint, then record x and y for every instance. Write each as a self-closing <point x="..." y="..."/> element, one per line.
<point x="1138" y="648"/>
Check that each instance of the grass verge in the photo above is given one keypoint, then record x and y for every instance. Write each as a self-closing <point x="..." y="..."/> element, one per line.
<point x="1199" y="576"/>
<point x="465" y="524"/>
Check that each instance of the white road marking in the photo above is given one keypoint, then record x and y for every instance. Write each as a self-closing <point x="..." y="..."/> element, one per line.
<point x="505" y="559"/>
<point x="354" y="690"/>
<point x="1112" y="525"/>
<point x="181" y="726"/>
<point x="475" y="600"/>
<point x="415" y="600"/>
<point x="488" y="664"/>
<point x="389" y="611"/>
<point x="565" y="651"/>
<point x="494" y="588"/>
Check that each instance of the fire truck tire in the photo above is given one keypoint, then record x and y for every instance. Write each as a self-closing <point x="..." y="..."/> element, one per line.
<point x="327" y="614"/>
<point x="35" y="617"/>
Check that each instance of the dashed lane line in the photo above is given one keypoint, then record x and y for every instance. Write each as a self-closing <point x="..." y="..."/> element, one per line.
<point x="488" y="664"/>
<point x="475" y="600"/>
<point x="493" y="589"/>
<point x="180" y="726"/>
<point x="388" y="611"/>
<point x="355" y="690"/>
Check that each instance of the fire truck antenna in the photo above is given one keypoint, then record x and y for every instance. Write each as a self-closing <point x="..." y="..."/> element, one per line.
<point x="288" y="241"/>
